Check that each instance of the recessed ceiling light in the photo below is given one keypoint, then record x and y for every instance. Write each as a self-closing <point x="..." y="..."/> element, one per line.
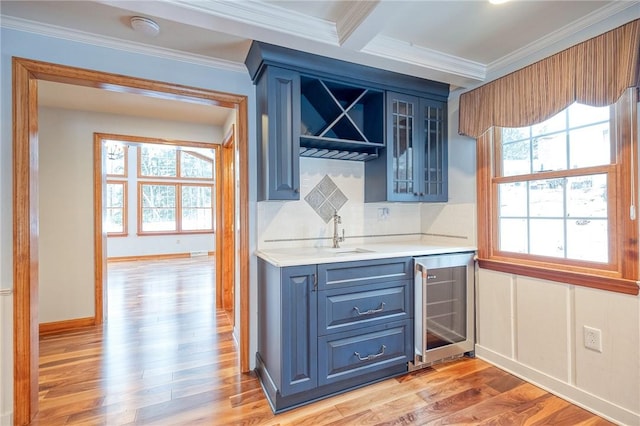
<point x="498" y="1"/>
<point x="144" y="26"/>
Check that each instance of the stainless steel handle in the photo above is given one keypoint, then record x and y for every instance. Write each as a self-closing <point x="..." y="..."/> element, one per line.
<point x="372" y="356"/>
<point x="370" y="311"/>
<point x="315" y="282"/>
<point x="431" y="277"/>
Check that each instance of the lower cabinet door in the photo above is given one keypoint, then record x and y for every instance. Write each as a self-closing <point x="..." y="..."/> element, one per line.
<point x="346" y="355"/>
<point x="299" y="330"/>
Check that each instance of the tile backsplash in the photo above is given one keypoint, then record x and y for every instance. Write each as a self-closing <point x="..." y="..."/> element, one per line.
<point x="336" y="184"/>
<point x="326" y="185"/>
<point x="326" y="198"/>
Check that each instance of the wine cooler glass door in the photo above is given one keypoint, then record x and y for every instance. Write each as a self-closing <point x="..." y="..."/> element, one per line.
<point x="444" y="306"/>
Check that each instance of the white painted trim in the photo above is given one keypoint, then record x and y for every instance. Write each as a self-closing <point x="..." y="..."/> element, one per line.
<point x="6" y="419"/>
<point x="577" y="396"/>
<point x="268" y="16"/>
<point x="402" y="51"/>
<point x="355" y="27"/>
<point x="118" y="44"/>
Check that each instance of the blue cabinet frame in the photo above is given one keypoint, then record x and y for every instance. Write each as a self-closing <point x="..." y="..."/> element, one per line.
<point x="302" y="356"/>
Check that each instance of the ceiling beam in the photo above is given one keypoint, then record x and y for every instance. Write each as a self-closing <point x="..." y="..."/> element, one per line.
<point x="362" y="21"/>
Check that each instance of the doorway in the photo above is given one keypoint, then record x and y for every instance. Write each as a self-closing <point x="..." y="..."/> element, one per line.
<point x="26" y="74"/>
<point x="193" y="172"/>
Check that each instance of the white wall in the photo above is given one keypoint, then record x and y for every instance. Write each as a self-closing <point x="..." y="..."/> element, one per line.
<point x="6" y="366"/>
<point x="66" y="203"/>
<point x="62" y="51"/>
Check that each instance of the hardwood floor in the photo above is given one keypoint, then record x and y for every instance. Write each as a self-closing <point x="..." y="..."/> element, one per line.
<point x="165" y="357"/>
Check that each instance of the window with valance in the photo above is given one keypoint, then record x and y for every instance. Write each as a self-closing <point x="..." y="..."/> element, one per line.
<point x="557" y="164"/>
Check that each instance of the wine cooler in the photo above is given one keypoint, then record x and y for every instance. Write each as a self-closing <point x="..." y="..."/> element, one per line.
<point x="444" y="307"/>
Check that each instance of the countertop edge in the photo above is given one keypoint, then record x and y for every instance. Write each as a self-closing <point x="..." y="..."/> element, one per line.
<point x="313" y="256"/>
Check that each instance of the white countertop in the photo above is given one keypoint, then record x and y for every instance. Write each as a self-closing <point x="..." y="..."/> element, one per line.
<point x="313" y="255"/>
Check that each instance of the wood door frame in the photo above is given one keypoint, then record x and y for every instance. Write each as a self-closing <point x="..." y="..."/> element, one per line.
<point x="25" y="76"/>
<point x="227" y="233"/>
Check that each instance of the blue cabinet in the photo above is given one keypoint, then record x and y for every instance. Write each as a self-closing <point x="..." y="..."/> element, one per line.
<point x="299" y="319"/>
<point x="278" y="108"/>
<point x="348" y="355"/>
<point x="287" y="330"/>
<point x="325" y="329"/>
<point x="314" y="106"/>
<point x="416" y="158"/>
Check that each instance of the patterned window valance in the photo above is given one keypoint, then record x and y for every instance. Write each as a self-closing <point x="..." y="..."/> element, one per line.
<point x="595" y="72"/>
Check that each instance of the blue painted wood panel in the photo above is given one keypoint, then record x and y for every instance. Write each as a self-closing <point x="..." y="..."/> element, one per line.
<point x="353" y="307"/>
<point x="336" y="275"/>
<point x="299" y="330"/>
<point x="278" y="95"/>
<point x="345" y="355"/>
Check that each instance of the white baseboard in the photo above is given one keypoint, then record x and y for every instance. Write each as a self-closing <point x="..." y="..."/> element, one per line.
<point x="6" y="419"/>
<point x="577" y="396"/>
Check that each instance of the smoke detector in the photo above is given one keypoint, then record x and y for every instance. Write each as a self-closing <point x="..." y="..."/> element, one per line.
<point x="144" y="26"/>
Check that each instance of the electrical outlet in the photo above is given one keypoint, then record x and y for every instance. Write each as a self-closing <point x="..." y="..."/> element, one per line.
<point x="383" y="213"/>
<point x="592" y="339"/>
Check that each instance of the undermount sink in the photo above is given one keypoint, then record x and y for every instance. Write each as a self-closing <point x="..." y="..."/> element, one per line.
<point x="343" y="251"/>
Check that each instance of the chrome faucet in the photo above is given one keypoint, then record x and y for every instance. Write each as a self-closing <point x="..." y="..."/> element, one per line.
<point x="336" y="239"/>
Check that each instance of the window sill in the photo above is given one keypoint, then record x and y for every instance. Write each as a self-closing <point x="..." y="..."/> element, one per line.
<point x="615" y="284"/>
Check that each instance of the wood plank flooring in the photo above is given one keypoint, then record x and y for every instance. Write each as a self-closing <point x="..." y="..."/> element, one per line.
<point x="165" y="357"/>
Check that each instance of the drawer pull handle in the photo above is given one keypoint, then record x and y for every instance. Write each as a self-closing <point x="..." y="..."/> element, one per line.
<point x="370" y="311"/>
<point x="372" y="356"/>
<point x="431" y="277"/>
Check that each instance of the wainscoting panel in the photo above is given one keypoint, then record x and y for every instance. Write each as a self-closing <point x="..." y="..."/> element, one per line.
<point x="534" y="329"/>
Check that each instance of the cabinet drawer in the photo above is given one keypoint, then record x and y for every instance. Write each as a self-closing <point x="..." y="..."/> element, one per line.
<point x="346" y="355"/>
<point x="344" y="274"/>
<point x="353" y="307"/>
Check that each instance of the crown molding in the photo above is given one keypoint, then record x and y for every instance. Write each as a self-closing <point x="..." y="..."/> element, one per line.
<point x="398" y="50"/>
<point x="54" y="31"/>
<point x="269" y="17"/>
<point x="532" y="52"/>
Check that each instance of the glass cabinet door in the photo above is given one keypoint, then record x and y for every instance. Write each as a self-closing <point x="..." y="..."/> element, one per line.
<point x="433" y="151"/>
<point x="403" y="176"/>
<point x="416" y="148"/>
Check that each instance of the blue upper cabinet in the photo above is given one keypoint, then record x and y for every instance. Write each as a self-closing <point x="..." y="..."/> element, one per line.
<point x="314" y="106"/>
<point x="340" y="121"/>
<point x="416" y="149"/>
<point x="278" y="93"/>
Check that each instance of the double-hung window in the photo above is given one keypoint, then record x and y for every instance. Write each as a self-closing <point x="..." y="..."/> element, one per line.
<point x="175" y="189"/>
<point x="116" y="162"/>
<point x="557" y="199"/>
<point x="557" y="180"/>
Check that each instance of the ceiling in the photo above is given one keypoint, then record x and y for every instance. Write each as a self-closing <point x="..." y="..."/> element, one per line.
<point x="458" y="42"/>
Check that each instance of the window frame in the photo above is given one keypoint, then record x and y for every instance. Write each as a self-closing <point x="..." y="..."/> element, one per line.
<point x="124" y="208"/>
<point x="123" y="179"/>
<point x="125" y="158"/>
<point x="620" y="274"/>
<point x="178" y="207"/>
<point x="178" y="159"/>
